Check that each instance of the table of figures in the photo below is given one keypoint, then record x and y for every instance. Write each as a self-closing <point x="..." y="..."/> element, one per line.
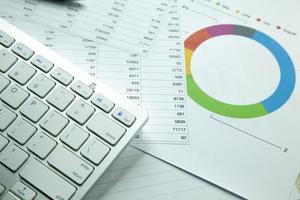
<point x="156" y="82"/>
<point x="125" y="24"/>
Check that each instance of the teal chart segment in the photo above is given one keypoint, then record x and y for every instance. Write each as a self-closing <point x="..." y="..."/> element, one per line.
<point x="272" y="103"/>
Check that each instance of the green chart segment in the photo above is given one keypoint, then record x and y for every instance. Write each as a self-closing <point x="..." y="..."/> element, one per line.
<point x="279" y="97"/>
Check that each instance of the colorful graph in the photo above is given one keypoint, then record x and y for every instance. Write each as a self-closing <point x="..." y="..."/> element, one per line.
<point x="279" y="97"/>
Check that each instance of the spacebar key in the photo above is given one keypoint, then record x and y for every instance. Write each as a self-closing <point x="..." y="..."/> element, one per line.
<point x="47" y="181"/>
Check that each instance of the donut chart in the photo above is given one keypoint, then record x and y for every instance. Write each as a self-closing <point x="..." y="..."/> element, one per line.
<point x="272" y="103"/>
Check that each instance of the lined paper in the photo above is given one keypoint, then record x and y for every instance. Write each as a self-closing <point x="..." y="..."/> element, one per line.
<point x="139" y="176"/>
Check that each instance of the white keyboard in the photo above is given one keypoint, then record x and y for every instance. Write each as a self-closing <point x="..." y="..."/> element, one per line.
<point x="59" y="128"/>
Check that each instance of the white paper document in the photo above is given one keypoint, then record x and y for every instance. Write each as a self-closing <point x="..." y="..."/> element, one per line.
<point x="243" y="97"/>
<point x="126" y="24"/>
<point x="138" y="176"/>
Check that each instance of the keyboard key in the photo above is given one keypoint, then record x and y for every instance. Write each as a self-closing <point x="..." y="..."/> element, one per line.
<point x="3" y="143"/>
<point x="4" y="82"/>
<point x="5" y="39"/>
<point x="74" y="137"/>
<point x="14" y="96"/>
<point x="95" y="151"/>
<point x="41" y="85"/>
<point x="13" y="157"/>
<point x="82" y="89"/>
<point x="62" y="76"/>
<point x="103" y="103"/>
<point x="75" y="168"/>
<point x="106" y="128"/>
<point x="2" y="189"/>
<point x="10" y="196"/>
<point x="42" y="63"/>
<point x="123" y="116"/>
<point x="47" y="181"/>
<point x="21" y="73"/>
<point x="41" y="145"/>
<point x="60" y="98"/>
<point x="23" y="191"/>
<point x="80" y="111"/>
<point x="6" y="117"/>
<point x="7" y="60"/>
<point x="20" y="130"/>
<point x="34" y="109"/>
<point x="22" y="51"/>
<point x="54" y="123"/>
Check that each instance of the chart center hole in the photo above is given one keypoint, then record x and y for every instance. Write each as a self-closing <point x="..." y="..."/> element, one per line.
<point x="235" y="70"/>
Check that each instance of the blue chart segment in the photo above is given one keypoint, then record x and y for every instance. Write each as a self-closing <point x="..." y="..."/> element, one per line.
<point x="287" y="71"/>
<point x="280" y="96"/>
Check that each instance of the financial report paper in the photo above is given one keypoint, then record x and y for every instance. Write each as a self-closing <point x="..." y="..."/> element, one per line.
<point x="125" y="24"/>
<point x="243" y="97"/>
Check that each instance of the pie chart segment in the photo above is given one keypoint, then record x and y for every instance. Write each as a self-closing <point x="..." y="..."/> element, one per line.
<point x="287" y="71"/>
<point x="229" y="110"/>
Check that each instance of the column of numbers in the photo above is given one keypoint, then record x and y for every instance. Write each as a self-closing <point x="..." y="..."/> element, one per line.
<point x="21" y="10"/>
<point x="163" y="86"/>
<point x="121" y="70"/>
<point x="55" y="15"/>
